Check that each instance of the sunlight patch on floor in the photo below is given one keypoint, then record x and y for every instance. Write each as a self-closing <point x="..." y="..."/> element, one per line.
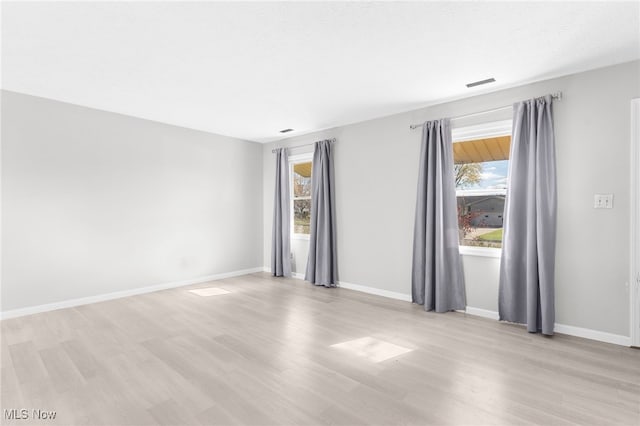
<point x="373" y="349"/>
<point x="210" y="291"/>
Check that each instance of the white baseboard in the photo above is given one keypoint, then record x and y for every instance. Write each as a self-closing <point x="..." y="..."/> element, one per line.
<point x="358" y="287"/>
<point x="482" y="313"/>
<point x="586" y="333"/>
<point x="376" y="291"/>
<point x="295" y="275"/>
<point x="118" y="294"/>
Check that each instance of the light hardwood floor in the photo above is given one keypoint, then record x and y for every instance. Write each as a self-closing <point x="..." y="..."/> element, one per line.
<point x="262" y="355"/>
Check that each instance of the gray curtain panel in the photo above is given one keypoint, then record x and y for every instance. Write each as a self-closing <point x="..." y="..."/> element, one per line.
<point x="280" y="243"/>
<point x="322" y="262"/>
<point x="528" y="249"/>
<point x="437" y="279"/>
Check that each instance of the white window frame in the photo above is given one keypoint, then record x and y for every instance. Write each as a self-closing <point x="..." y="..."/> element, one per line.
<point x="469" y="133"/>
<point x="293" y="160"/>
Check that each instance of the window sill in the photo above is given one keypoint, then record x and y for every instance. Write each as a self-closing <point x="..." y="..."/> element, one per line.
<point x="480" y="251"/>
<point x="300" y="237"/>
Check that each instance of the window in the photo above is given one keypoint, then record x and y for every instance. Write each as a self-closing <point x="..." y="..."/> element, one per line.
<point x="300" y="172"/>
<point x="481" y="161"/>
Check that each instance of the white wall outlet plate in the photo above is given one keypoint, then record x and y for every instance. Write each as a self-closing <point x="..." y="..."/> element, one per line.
<point x="602" y="201"/>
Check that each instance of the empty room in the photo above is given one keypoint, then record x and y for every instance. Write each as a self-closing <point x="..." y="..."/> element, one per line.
<point x="320" y="213"/>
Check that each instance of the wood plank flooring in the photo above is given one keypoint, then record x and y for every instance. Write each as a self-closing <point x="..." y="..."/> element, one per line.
<point x="261" y="355"/>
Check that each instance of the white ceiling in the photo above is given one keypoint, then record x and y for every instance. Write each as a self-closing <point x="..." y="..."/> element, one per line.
<point x="250" y="69"/>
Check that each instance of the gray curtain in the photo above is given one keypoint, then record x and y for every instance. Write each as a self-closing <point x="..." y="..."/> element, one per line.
<point x="437" y="280"/>
<point x="528" y="252"/>
<point x="322" y="262"/>
<point x="280" y="243"/>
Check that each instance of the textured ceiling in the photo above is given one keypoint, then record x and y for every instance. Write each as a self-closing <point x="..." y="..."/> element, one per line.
<point x="250" y="69"/>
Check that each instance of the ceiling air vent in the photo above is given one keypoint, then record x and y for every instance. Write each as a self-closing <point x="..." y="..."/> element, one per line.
<point x="481" y="82"/>
<point x="286" y="130"/>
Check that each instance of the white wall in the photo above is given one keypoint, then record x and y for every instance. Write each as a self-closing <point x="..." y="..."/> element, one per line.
<point x="376" y="172"/>
<point x="95" y="202"/>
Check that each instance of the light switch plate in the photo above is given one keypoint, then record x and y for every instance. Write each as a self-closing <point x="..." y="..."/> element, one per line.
<point x="602" y="201"/>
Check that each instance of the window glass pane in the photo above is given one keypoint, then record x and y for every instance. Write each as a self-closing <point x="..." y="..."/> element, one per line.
<point x="486" y="175"/>
<point x="480" y="220"/>
<point x="301" y="216"/>
<point x="482" y="191"/>
<point x="302" y="180"/>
